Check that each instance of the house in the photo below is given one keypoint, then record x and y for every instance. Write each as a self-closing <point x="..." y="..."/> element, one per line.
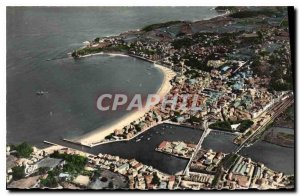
<point x="235" y="126"/>
<point x="171" y="182"/>
<point x="138" y="166"/>
<point x="162" y="185"/>
<point x="162" y="145"/>
<point x="49" y="163"/>
<point x="123" y="168"/>
<point x="64" y="176"/>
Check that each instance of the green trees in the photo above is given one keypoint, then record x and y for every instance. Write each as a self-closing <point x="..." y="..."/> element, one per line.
<point x="225" y="40"/>
<point x="278" y="85"/>
<point x="245" y="124"/>
<point x="194" y="63"/>
<point x="74" y="163"/>
<point x="18" y="172"/>
<point x="229" y="160"/>
<point x="43" y="170"/>
<point x="226" y="125"/>
<point x="137" y="128"/>
<point x="159" y="25"/>
<point x="96" y="40"/>
<point x="86" y="51"/>
<point x="184" y="42"/>
<point x="280" y="81"/>
<point x="74" y="54"/>
<point x="51" y="180"/>
<point x="291" y="180"/>
<point x="155" y="179"/>
<point x="108" y="137"/>
<point x="252" y="13"/>
<point x="120" y="48"/>
<point x="222" y="125"/>
<point x="23" y="150"/>
<point x="194" y="119"/>
<point x="174" y="119"/>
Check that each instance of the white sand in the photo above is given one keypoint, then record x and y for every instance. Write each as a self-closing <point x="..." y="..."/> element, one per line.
<point x="82" y="180"/>
<point x="96" y="136"/>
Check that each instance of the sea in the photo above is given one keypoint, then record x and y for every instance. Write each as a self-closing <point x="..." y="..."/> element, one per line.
<point x="38" y="41"/>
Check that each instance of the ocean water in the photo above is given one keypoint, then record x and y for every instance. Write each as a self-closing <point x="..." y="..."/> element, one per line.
<point x="38" y="40"/>
<point x="142" y="148"/>
<point x="219" y="141"/>
<point x="278" y="158"/>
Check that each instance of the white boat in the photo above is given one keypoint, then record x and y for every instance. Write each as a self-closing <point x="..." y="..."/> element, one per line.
<point x="40" y="93"/>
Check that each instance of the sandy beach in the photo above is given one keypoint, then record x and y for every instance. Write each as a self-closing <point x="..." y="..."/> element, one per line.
<point x="96" y="136"/>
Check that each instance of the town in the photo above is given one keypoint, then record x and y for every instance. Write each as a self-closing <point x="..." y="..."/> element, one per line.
<point x="237" y="65"/>
<point x="226" y="67"/>
<point x="61" y="167"/>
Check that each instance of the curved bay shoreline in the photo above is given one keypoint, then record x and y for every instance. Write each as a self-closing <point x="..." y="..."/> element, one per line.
<point x="96" y="137"/>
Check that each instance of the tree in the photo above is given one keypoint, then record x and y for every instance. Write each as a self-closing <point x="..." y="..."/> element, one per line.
<point x="252" y="13"/>
<point x="194" y="119"/>
<point x="23" y="150"/>
<point x="74" y="163"/>
<point x="291" y="180"/>
<point x="245" y="124"/>
<point x="18" y="172"/>
<point x="174" y="119"/>
<point x="183" y="42"/>
<point x="222" y="125"/>
<point x="75" y="54"/>
<point x="137" y="128"/>
<point x="279" y="85"/>
<point x="43" y="170"/>
<point x="159" y="25"/>
<point x="50" y="181"/>
<point x="155" y="179"/>
<point x="97" y="40"/>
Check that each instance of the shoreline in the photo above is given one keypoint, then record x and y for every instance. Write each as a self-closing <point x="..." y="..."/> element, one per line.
<point x="140" y="29"/>
<point x="95" y="137"/>
<point x="104" y="53"/>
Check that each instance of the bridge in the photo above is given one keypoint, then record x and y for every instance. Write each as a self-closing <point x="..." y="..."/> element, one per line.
<point x="273" y="112"/>
<point x="198" y="147"/>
